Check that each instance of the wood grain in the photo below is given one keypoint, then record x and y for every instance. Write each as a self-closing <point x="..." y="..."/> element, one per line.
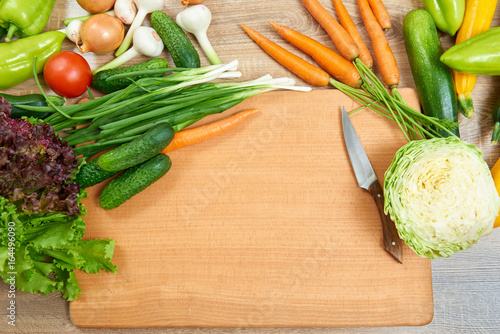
<point x="264" y="226"/>
<point x="466" y="286"/>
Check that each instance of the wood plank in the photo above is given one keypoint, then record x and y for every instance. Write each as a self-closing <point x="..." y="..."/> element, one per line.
<point x="260" y="227"/>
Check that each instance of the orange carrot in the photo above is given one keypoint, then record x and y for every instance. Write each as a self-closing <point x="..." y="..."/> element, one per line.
<point x="342" y="40"/>
<point x="383" y="53"/>
<point x="381" y="13"/>
<point x="196" y="135"/>
<point x="306" y="71"/>
<point x="191" y="2"/>
<point x="339" y="67"/>
<point x="350" y="27"/>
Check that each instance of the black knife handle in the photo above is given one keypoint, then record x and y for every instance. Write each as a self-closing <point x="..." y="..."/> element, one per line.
<point x="392" y="242"/>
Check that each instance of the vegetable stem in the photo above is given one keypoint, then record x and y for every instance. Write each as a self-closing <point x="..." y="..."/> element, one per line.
<point x="376" y="97"/>
<point x="84" y="18"/>
<point x="141" y="14"/>
<point x="125" y="57"/>
<point x="180" y="99"/>
<point x="208" y="48"/>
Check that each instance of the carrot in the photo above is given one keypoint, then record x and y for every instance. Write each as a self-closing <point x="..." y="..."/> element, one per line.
<point x="196" y="135"/>
<point x="350" y="27"/>
<point x="342" y="40"/>
<point x="339" y="67"/>
<point x="306" y="71"/>
<point x="381" y="14"/>
<point x="381" y="49"/>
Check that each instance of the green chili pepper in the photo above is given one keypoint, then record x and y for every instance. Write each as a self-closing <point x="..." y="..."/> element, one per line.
<point x="479" y="55"/>
<point x="16" y="58"/>
<point x="24" y="17"/>
<point x="447" y="14"/>
<point x="495" y="137"/>
<point x="36" y="100"/>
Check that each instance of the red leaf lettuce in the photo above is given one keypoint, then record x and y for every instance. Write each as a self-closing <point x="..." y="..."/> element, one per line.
<point x="36" y="166"/>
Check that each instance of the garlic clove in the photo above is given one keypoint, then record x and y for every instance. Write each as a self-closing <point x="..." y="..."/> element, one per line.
<point x="73" y="31"/>
<point x="125" y="10"/>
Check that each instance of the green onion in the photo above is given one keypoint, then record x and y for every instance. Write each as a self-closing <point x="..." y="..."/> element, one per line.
<point x="181" y="99"/>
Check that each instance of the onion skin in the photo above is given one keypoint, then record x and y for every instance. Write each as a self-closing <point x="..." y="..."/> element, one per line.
<point x="101" y="33"/>
<point x="96" y="6"/>
<point x="191" y="2"/>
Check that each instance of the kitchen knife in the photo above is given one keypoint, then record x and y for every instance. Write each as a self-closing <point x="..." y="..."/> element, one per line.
<point x="368" y="180"/>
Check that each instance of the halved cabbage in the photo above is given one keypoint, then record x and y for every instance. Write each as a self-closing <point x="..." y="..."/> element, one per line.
<point x="441" y="196"/>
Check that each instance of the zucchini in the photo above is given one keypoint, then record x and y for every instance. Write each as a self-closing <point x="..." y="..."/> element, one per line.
<point x="433" y="79"/>
<point x="35" y="100"/>
<point x="175" y="39"/>
<point x="138" y="150"/>
<point x="91" y="174"/>
<point x="101" y="83"/>
<point x="495" y="137"/>
<point x="133" y="181"/>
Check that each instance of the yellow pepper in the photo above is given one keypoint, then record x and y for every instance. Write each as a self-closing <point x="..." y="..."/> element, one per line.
<point x="477" y="19"/>
<point x="495" y="172"/>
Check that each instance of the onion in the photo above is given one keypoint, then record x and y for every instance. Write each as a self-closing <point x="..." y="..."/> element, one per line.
<point x="96" y="6"/>
<point x="101" y="33"/>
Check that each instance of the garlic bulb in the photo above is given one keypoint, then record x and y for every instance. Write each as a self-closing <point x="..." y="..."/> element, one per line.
<point x="196" y="20"/>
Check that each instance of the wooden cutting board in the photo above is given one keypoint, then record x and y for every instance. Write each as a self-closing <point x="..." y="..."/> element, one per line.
<point x="264" y="225"/>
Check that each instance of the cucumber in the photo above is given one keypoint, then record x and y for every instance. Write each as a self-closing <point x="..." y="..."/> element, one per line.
<point x="433" y="79"/>
<point x="138" y="150"/>
<point x="133" y="181"/>
<point x="35" y="100"/>
<point x="175" y="39"/>
<point x="91" y="174"/>
<point x="100" y="82"/>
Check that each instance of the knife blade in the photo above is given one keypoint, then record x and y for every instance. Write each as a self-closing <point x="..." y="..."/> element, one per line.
<point x="367" y="180"/>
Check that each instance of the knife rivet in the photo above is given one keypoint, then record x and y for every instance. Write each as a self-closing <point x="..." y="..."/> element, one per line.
<point x="393" y="243"/>
<point x="378" y="195"/>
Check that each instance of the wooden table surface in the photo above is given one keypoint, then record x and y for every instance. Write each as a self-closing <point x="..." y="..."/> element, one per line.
<point x="466" y="286"/>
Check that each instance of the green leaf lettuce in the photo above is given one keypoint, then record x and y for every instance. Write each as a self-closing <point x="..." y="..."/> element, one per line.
<point x="41" y="252"/>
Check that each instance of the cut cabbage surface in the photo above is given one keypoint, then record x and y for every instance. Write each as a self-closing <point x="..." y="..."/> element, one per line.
<point x="441" y="196"/>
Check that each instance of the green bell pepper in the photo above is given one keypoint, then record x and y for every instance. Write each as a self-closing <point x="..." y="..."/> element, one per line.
<point x="16" y="58"/>
<point x="24" y="17"/>
<point x="479" y="55"/>
<point x="447" y="14"/>
<point x="2" y="32"/>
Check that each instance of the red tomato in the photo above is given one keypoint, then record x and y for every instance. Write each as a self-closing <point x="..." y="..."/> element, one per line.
<point x="68" y="74"/>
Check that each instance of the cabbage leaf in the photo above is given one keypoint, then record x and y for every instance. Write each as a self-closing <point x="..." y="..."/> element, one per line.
<point x="441" y="196"/>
